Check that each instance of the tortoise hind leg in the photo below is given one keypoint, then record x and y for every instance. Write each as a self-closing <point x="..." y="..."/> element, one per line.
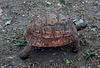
<point x="75" y="45"/>
<point x="25" y="52"/>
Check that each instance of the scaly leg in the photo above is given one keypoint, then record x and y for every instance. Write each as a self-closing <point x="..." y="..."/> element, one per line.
<point x="25" y="52"/>
<point x="75" y="45"/>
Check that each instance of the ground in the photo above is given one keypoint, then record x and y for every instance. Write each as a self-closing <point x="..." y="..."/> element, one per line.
<point x="15" y="15"/>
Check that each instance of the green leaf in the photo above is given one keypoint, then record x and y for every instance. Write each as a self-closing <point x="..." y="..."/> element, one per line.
<point x="67" y="61"/>
<point x="62" y="1"/>
<point x="91" y="54"/>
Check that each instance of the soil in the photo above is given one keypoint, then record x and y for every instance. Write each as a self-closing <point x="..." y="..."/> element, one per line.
<point x="15" y="15"/>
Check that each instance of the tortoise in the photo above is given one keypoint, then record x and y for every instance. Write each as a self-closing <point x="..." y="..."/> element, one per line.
<point x="51" y="30"/>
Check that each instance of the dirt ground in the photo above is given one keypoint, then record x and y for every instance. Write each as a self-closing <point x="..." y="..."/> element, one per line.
<point x="17" y="14"/>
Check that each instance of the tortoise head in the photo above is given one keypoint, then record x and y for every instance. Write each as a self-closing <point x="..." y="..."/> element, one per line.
<point x="81" y="26"/>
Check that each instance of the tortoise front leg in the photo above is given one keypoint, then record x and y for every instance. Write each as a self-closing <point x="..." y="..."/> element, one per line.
<point x="25" y="52"/>
<point x="75" y="45"/>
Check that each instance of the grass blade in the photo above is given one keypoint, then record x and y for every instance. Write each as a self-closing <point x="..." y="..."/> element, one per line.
<point x="91" y="54"/>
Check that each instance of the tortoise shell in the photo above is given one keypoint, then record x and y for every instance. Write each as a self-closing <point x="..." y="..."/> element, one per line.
<point x="52" y="30"/>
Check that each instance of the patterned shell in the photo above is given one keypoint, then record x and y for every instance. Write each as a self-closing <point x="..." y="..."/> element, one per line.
<point x="50" y="31"/>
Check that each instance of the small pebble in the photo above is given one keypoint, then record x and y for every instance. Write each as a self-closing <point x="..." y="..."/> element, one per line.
<point x="2" y="67"/>
<point x="29" y="66"/>
<point x="8" y="41"/>
<point x="92" y="49"/>
<point x="59" y="4"/>
<point x="23" y="15"/>
<point x="10" y="66"/>
<point x="78" y="22"/>
<point x="65" y="54"/>
<point x="83" y="54"/>
<point x="23" y="66"/>
<point x="42" y="49"/>
<point x="98" y="66"/>
<point x="93" y="29"/>
<point x="5" y="65"/>
<point x="3" y="30"/>
<point x="48" y="2"/>
<point x="38" y="16"/>
<point x="33" y="65"/>
<point x="8" y="23"/>
<point x="96" y="53"/>
<point x="97" y="2"/>
<point x="54" y="54"/>
<point x="51" y="61"/>
<point x="10" y="57"/>
<point x="98" y="57"/>
<point x="79" y="59"/>
<point x="6" y="15"/>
